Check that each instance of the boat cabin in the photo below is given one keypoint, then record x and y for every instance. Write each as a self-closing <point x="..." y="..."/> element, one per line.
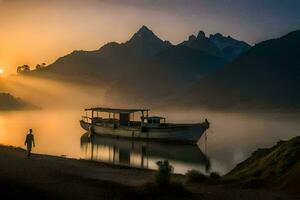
<point x="155" y="121"/>
<point x="112" y="117"/>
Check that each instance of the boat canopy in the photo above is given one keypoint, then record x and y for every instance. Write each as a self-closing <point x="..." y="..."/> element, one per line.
<point x="156" y="117"/>
<point x="116" y="110"/>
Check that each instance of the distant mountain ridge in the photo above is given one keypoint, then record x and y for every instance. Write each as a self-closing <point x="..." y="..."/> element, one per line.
<point x="144" y="58"/>
<point x="144" y="45"/>
<point x="266" y="76"/>
<point x="215" y="72"/>
<point x="112" y="57"/>
<point x="217" y="44"/>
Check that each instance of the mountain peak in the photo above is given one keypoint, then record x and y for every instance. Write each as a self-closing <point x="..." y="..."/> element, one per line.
<point x="145" y="36"/>
<point x="192" y="38"/>
<point x="216" y="36"/>
<point x="145" y="43"/>
<point x="144" y="31"/>
<point x="217" y="44"/>
<point x="201" y="34"/>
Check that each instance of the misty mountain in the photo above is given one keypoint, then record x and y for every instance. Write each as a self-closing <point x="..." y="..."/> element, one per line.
<point x="165" y="74"/>
<point x="142" y="45"/>
<point x="144" y="58"/>
<point x="111" y="60"/>
<point x="217" y="44"/>
<point x="266" y="76"/>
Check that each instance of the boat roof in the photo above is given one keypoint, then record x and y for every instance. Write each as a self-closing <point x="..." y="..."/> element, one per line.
<point x="156" y="117"/>
<point x="115" y="110"/>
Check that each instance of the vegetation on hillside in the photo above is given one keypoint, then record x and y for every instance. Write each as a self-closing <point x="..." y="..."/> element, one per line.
<point x="277" y="167"/>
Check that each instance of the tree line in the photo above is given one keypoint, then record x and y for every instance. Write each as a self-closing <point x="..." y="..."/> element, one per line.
<point x="26" y="68"/>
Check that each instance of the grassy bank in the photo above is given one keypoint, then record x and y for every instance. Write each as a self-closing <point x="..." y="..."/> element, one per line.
<point x="277" y="167"/>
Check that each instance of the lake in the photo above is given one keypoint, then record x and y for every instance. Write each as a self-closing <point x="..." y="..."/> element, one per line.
<point x="231" y="138"/>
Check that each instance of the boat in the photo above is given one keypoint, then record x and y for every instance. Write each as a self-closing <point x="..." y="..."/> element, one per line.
<point x="122" y="123"/>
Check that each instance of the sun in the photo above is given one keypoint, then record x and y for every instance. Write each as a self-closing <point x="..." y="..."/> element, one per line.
<point x="1" y="72"/>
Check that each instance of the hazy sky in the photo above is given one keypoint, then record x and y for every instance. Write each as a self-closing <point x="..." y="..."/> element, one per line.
<point x="35" y="31"/>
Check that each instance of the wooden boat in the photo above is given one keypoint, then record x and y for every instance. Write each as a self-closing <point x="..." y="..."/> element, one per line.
<point x="122" y="123"/>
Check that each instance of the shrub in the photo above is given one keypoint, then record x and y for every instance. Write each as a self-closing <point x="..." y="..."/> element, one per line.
<point x="194" y="176"/>
<point x="215" y="175"/>
<point x="163" y="175"/>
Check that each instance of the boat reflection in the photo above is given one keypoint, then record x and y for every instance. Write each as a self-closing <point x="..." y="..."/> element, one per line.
<point x="142" y="154"/>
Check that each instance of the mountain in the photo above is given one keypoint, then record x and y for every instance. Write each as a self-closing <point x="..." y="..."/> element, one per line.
<point x="145" y="43"/>
<point x="266" y="76"/>
<point x="231" y="48"/>
<point x="144" y="58"/>
<point x="202" y="43"/>
<point x="163" y="75"/>
<point x="142" y="45"/>
<point x="110" y="61"/>
<point x="217" y="45"/>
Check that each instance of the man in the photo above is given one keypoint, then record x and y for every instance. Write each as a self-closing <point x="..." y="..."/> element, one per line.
<point x="29" y="141"/>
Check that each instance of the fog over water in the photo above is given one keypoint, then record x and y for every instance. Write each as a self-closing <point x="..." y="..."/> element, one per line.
<point x="231" y="138"/>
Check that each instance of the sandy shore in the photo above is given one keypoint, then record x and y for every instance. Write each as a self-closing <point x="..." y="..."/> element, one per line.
<point x="50" y="177"/>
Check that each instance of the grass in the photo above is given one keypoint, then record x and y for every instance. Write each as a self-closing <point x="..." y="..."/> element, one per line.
<point x="277" y="166"/>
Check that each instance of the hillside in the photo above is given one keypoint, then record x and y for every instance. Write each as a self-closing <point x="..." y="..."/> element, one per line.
<point x="276" y="167"/>
<point x="9" y="102"/>
<point x="165" y="74"/>
<point x="265" y="77"/>
<point x="108" y="63"/>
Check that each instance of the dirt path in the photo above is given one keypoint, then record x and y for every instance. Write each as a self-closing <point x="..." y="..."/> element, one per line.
<point x="63" y="177"/>
<point x="49" y="177"/>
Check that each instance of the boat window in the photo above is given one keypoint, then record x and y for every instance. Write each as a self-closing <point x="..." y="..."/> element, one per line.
<point x="153" y="121"/>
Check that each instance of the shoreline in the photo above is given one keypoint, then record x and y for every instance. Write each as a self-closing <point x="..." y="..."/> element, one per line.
<point x="54" y="177"/>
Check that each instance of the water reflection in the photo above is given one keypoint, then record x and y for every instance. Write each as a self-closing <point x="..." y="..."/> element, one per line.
<point x="143" y="154"/>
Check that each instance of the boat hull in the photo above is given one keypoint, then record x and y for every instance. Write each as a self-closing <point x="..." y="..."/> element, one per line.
<point x="188" y="133"/>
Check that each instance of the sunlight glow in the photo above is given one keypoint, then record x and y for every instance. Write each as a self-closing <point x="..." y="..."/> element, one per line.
<point x="1" y="72"/>
<point x="44" y="92"/>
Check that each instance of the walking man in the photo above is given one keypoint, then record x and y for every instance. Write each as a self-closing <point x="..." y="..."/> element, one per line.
<point x="28" y="142"/>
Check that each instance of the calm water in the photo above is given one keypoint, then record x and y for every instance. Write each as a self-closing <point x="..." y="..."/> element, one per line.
<point x="231" y="138"/>
<point x="143" y="154"/>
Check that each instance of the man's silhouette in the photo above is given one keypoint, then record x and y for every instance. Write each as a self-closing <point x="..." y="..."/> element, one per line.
<point x="29" y="141"/>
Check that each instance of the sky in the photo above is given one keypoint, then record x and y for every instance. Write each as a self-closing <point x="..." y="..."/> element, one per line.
<point x="37" y="31"/>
